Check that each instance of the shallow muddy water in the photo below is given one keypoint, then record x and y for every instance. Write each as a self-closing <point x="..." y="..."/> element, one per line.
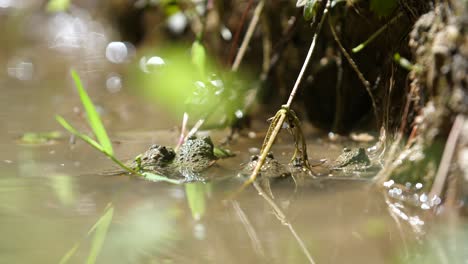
<point x="52" y="194"/>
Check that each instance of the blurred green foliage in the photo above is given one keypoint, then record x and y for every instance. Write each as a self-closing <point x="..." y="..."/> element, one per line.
<point x="58" y="5"/>
<point x="189" y="82"/>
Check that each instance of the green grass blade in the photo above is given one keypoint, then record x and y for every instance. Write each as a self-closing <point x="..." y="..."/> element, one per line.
<point x="100" y="233"/>
<point x="93" y="117"/>
<point x="69" y="254"/>
<point x="75" y="132"/>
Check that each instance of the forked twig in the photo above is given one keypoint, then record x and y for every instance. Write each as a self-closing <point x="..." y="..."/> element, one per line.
<point x="285" y="113"/>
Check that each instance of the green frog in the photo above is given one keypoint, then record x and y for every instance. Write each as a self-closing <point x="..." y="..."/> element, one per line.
<point x="271" y="168"/>
<point x="194" y="156"/>
<point x="157" y="159"/>
<point x="351" y="159"/>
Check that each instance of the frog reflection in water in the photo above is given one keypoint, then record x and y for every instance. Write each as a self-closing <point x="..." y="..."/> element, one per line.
<point x="193" y="157"/>
<point x="352" y="159"/>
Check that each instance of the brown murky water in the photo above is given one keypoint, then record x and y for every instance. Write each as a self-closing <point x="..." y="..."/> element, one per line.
<point x="52" y="194"/>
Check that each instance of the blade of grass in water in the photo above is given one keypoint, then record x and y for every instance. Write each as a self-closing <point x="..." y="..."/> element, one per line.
<point x="147" y="175"/>
<point x="93" y="117"/>
<point x="100" y="233"/>
<point x="69" y="254"/>
<point x="103" y="144"/>
<point x="75" y="132"/>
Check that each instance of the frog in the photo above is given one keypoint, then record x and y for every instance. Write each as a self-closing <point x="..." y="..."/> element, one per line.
<point x="351" y="159"/>
<point x="195" y="155"/>
<point x="271" y="168"/>
<point x="157" y="159"/>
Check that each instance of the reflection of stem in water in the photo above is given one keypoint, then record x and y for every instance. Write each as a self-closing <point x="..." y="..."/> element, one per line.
<point x="442" y="172"/>
<point x="398" y="224"/>
<point x="282" y="218"/>
<point x="256" y="244"/>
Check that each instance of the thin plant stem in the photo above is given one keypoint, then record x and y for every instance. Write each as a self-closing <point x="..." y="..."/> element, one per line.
<point x="265" y="149"/>
<point x="376" y="34"/>
<point x="356" y="69"/>
<point x="307" y="59"/>
<point x="248" y="35"/>
<point x="239" y="28"/>
<point x="281" y="115"/>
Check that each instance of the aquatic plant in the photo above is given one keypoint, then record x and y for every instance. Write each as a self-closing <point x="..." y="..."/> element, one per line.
<point x="103" y="143"/>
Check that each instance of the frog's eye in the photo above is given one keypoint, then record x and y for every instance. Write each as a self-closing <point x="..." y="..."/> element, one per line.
<point x="145" y="158"/>
<point x="270" y="155"/>
<point x="254" y="158"/>
<point x="207" y="139"/>
<point x="346" y="150"/>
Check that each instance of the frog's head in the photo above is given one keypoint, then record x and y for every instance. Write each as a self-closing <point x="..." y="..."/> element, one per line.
<point x="255" y="158"/>
<point x="159" y="154"/>
<point x="361" y="151"/>
<point x="207" y="140"/>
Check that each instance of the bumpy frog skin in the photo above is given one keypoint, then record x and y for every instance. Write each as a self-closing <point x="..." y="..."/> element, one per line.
<point x="352" y="159"/>
<point x="193" y="157"/>
<point x="156" y="156"/>
<point x="270" y="169"/>
<point x="196" y="154"/>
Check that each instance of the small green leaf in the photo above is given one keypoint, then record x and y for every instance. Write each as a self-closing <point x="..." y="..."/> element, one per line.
<point x="196" y="198"/>
<point x="93" y="117"/>
<point x="199" y="57"/>
<point x="309" y="9"/>
<point x="100" y="233"/>
<point x="55" y="6"/>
